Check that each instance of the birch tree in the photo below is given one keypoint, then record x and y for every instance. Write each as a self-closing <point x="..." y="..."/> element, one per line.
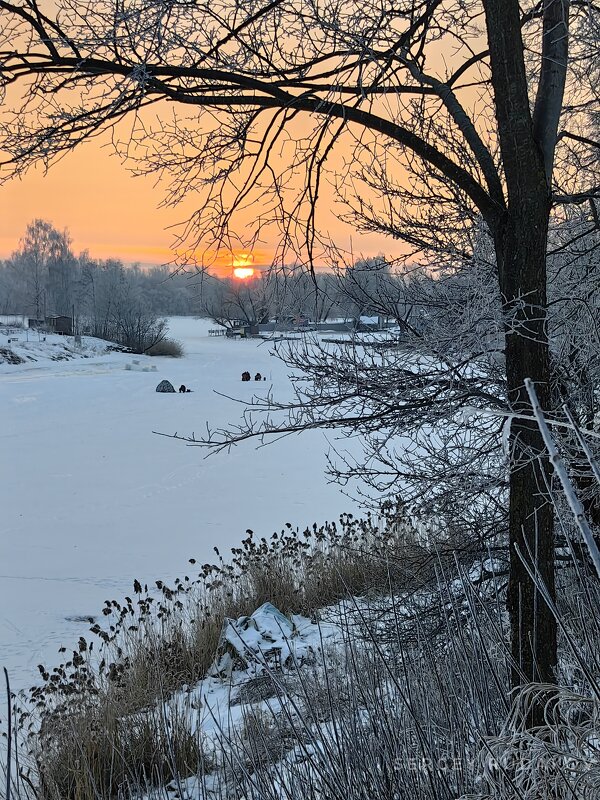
<point x="45" y="262"/>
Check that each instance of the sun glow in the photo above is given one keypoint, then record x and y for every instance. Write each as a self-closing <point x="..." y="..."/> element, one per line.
<point x="241" y="264"/>
<point x="243" y="272"/>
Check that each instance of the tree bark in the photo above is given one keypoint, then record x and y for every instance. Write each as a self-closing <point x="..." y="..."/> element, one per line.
<point x="521" y="244"/>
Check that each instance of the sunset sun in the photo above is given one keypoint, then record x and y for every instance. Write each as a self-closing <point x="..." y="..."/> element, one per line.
<point x="243" y="272"/>
<point x="242" y="266"/>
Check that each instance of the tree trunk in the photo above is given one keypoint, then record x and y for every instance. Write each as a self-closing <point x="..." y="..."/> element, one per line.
<point x="520" y="234"/>
<point x="521" y="247"/>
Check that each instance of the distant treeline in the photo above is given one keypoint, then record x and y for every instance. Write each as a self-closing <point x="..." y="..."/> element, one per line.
<point x="105" y="298"/>
<point x="123" y="304"/>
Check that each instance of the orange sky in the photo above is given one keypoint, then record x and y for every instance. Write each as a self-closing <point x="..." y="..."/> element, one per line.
<point x="113" y="214"/>
<point x="89" y="192"/>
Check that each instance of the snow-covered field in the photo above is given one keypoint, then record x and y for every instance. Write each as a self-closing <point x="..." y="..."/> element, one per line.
<point x="91" y="499"/>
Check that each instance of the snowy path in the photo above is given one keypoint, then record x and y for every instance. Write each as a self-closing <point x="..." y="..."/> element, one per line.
<point x="90" y="499"/>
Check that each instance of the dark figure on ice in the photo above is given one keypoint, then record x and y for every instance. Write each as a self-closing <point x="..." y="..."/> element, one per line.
<point x="182" y="389"/>
<point x="258" y="377"/>
<point x="245" y="376"/>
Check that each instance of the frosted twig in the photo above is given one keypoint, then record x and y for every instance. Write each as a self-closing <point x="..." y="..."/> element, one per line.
<point x="561" y="472"/>
<point x="584" y="445"/>
<point x="510" y="416"/>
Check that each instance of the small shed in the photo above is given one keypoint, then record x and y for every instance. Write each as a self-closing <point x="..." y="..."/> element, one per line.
<point x="60" y="323"/>
<point x="243" y="330"/>
<point x="14" y="320"/>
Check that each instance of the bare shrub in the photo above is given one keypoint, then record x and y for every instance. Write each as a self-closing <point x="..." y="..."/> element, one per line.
<point x="94" y="751"/>
<point x="7" y="356"/>
<point x="263" y="737"/>
<point x="430" y="716"/>
<point x="166" y="347"/>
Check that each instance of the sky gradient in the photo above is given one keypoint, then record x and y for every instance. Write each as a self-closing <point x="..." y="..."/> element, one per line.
<point x="113" y="214"/>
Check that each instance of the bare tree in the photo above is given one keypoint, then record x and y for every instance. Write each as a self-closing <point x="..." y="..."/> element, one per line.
<point x="371" y="287"/>
<point x="574" y="330"/>
<point x="415" y="144"/>
<point x="315" y="297"/>
<point x="45" y="261"/>
<point x="229" y="301"/>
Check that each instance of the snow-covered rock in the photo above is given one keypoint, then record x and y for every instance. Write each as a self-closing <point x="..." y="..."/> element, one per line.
<point x="136" y="366"/>
<point x="265" y="640"/>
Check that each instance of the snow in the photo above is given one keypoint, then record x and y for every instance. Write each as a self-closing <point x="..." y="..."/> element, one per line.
<point x="268" y="644"/>
<point x="91" y="499"/>
<point x="28" y="346"/>
<point x="249" y="643"/>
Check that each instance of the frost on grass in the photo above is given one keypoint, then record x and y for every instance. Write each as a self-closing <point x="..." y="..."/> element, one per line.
<point x="397" y="695"/>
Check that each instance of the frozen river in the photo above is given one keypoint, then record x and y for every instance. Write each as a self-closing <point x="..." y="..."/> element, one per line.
<point x="91" y="499"/>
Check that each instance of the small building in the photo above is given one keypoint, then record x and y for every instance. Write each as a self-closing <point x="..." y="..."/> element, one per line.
<point x="14" y="320"/>
<point x="242" y="329"/>
<point x="60" y="323"/>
